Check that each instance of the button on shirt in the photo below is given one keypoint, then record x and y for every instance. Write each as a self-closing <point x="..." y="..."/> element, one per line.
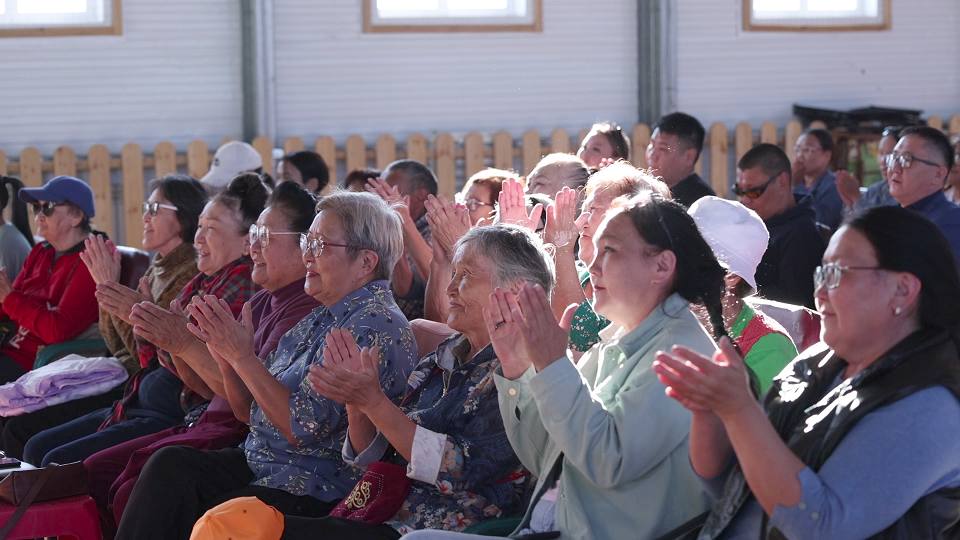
<point x="312" y="464"/>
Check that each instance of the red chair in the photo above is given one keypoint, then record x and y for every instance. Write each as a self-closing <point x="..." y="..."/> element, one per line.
<point x="74" y="517"/>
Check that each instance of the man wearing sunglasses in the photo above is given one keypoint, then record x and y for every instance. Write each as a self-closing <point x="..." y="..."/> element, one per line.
<point x="796" y="246"/>
<point x="918" y="169"/>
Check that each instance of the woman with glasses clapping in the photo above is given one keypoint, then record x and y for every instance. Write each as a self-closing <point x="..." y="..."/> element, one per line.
<point x="856" y="438"/>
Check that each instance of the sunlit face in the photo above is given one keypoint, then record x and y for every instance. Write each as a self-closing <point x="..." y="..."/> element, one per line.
<point x="588" y="222"/>
<point x="219" y="239"/>
<point x="884" y="149"/>
<point x="860" y="306"/>
<point x="272" y="264"/>
<point x="479" y="201"/>
<point x="768" y="203"/>
<point x="670" y="158"/>
<point x="594" y="148"/>
<point x="625" y="273"/>
<point x="59" y="225"/>
<point x="162" y="232"/>
<point x="469" y="291"/>
<point x="921" y="179"/>
<point x="809" y="156"/>
<point x="545" y="181"/>
<point x="336" y="271"/>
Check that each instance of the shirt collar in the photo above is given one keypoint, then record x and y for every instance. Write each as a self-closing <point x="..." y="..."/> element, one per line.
<point x="344" y="306"/>
<point x="630" y="341"/>
<point x="928" y="202"/>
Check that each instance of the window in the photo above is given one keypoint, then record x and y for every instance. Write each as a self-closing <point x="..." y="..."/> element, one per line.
<point x="452" y="15"/>
<point x="59" y="17"/>
<point x="816" y="15"/>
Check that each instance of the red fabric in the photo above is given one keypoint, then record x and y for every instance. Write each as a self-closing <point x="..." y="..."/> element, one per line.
<point x="73" y="516"/>
<point x="755" y="329"/>
<point x="51" y="302"/>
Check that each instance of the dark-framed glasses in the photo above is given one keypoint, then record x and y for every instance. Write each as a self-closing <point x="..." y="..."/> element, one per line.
<point x="905" y="160"/>
<point x="45" y="207"/>
<point x="828" y="274"/>
<point x="260" y="233"/>
<point x="315" y="246"/>
<point x="754" y="192"/>
<point x="152" y="207"/>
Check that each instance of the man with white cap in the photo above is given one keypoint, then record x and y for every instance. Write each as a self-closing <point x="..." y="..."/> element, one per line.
<point x="739" y="239"/>
<point x="230" y="160"/>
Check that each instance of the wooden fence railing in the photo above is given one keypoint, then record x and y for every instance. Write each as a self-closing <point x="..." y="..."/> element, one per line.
<point x="452" y="160"/>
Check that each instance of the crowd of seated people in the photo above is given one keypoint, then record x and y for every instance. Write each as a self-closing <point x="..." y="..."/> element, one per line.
<point x="577" y="351"/>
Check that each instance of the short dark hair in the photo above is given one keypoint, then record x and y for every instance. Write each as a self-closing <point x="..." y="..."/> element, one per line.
<point x="771" y="159"/>
<point x="297" y="204"/>
<point x="616" y="137"/>
<point x="935" y="139"/>
<point x="905" y="241"/>
<point x="687" y="128"/>
<point x="421" y="177"/>
<point x="359" y="175"/>
<point x="18" y="210"/>
<point x="188" y="195"/>
<point x="311" y="165"/>
<point x="824" y="138"/>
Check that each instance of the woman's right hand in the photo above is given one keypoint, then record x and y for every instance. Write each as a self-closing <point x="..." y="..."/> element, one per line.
<point x="502" y="316"/>
<point x="215" y="326"/>
<point x="512" y="207"/>
<point x="102" y="259"/>
<point x="561" y="229"/>
<point x="448" y="223"/>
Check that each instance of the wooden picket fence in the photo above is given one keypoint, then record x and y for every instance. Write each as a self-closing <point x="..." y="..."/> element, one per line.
<point x="448" y="157"/>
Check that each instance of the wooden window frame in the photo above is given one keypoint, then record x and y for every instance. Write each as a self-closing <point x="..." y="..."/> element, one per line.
<point x="114" y="28"/>
<point x="371" y="27"/>
<point x="886" y="16"/>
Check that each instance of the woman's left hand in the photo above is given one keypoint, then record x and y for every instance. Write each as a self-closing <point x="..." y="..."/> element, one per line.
<point x="118" y="300"/>
<point x="512" y="207"/>
<point x="544" y="339"/>
<point x="720" y="385"/>
<point x="348" y="374"/>
<point x="167" y="329"/>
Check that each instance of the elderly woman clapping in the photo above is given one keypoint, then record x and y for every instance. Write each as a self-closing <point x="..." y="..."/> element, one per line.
<point x="448" y="429"/>
<point x="857" y="437"/>
<point x="291" y="457"/>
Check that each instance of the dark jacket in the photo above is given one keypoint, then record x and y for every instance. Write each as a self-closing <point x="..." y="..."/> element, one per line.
<point x="796" y="248"/>
<point x="925" y="359"/>
<point x="690" y="189"/>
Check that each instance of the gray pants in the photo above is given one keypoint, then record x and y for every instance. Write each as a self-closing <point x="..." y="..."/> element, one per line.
<point x="429" y="534"/>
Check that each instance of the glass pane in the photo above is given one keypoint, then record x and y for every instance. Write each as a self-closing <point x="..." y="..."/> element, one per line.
<point x="52" y="6"/>
<point x="828" y="6"/>
<point x="475" y="5"/>
<point x="402" y="6"/>
<point x="776" y="6"/>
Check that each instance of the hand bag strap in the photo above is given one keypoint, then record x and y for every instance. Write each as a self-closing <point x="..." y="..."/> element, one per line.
<point x="25" y="503"/>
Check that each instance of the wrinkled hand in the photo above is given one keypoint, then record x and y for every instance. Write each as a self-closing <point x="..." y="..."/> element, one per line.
<point x="167" y="329"/>
<point x="118" y="300"/>
<point x="720" y="385"/>
<point x="102" y="259"/>
<point x="448" y="222"/>
<point x="500" y="316"/>
<point x="561" y="229"/>
<point x="5" y="286"/>
<point x="225" y="336"/>
<point x="848" y="186"/>
<point x="390" y="194"/>
<point x="544" y="339"/>
<point x="512" y="207"/>
<point x="348" y="374"/>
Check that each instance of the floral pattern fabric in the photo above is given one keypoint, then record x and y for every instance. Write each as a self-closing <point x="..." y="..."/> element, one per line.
<point x="312" y="464"/>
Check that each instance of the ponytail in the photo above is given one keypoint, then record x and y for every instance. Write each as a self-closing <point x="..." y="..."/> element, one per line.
<point x="18" y="208"/>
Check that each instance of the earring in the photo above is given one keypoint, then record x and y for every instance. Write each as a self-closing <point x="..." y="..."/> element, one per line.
<point x="897" y="311"/>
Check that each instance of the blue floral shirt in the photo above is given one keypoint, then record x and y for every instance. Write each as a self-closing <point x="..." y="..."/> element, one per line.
<point x="312" y="465"/>
<point x="478" y="475"/>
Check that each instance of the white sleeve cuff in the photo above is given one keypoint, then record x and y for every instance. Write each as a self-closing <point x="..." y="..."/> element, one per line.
<point x="426" y="455"/>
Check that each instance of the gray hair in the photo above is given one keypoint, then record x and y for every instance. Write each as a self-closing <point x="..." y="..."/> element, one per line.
<point x="568" y="169"/>
<point x="370" y="223"/>
<point x="420" y="175"/>
<point x="517" y="254"/>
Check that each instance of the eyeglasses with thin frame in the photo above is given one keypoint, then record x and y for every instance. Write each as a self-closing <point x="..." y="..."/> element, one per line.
<point x="905" y="160"/>
<point x="828" y="274"/>
<point x="472" y="204"/>
<point x="315" y="246"/>
<point x="152" y="207"/>
<point x="260" y="233"/>
<point x="754" y="193"/>
<point x="45" y="207"/>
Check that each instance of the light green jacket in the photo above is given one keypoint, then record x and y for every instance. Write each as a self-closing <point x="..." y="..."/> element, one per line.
<point x="626" y="471"/>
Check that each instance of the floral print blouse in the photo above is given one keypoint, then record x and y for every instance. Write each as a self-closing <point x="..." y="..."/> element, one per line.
<point x="312" y="465"/>
<point x="472" y="473"/>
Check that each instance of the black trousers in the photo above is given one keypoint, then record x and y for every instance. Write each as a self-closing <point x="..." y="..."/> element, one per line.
<point x="9" y="370"/>
<point x="15" y="431"/>
<point x="331" y="528"/>
<point x="178" y="484"/>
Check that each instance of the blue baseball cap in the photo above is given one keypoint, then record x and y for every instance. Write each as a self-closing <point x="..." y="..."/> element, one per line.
<point x="62" y="189"/>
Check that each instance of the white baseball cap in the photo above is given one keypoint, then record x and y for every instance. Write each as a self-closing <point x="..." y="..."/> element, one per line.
<point x="735" y="233"/>
<point x="231" y="159"/>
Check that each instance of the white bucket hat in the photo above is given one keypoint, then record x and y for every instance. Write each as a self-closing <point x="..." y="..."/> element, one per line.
<point x="231" y="159"/>
<point x="735" y="233"/>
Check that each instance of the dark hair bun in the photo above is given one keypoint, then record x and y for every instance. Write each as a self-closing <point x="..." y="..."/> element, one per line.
<point x="250" y="193"/>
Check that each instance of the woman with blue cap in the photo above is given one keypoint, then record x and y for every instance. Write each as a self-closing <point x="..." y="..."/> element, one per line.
<point x="52" y="299"/>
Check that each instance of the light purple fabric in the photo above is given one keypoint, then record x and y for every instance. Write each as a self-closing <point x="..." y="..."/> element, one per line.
<point x="69" y="378"/>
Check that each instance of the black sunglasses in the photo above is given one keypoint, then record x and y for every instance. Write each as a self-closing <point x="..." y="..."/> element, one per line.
<point x="755" y="192"/>
<point x="45" y="207"/>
